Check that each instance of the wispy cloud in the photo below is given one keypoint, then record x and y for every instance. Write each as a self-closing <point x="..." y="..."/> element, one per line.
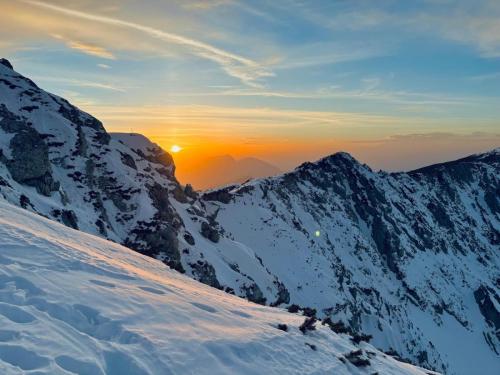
<point x="485" y="77"/>
<point x="80" y="83"/>
<point x="87" y="48"/>
<point x="475" y="23"/>
<point x="104" y="66"/>
<point x="236" y="117"/>
<point x="369" y="93"/>
<point x="206" y="4"/>
<point x="480" y="29"/>
<point x="248" y="71"/>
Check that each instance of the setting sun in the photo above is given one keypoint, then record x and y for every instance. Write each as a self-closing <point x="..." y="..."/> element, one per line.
<point x="175" y="148"/>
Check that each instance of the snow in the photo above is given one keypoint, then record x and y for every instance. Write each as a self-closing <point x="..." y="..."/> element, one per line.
<point x="134" y="141"/>
<point x="323" y="272"/>
<point x="267" y="235"/>
<point x="71" y="302"/>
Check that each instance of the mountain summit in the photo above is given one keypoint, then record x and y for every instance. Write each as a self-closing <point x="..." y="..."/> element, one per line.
<point x="409" y="258"/>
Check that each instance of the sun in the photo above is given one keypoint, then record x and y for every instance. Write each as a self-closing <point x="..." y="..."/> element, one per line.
<point x="175" y="149"/>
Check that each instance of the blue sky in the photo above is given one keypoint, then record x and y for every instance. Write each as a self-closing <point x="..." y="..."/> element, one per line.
<point x="316" y="75"/>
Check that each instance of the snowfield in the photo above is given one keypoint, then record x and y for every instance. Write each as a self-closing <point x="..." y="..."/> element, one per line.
<point x="410" y="258"/>
<point x="71" y="302"/>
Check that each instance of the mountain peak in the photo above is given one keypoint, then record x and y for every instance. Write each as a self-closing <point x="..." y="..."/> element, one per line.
<point x="341" y="155"/>
<point x="339" y="159"/>
<point x="6" y="63"/>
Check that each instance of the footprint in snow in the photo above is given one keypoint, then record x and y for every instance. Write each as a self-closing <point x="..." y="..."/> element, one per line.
<point x="241" y="313"/>
<point x="77" y="366"/>
<point x="8" y="335"/>
<point x="151" y="290"/>
<point x="15" y="314"/>
<point x="203" y="307"/>
<point x="103" y="283"/>
<point x="20" y="357"/>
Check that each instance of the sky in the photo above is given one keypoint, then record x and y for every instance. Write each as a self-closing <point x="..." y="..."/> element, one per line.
<point x="398" y="84"/>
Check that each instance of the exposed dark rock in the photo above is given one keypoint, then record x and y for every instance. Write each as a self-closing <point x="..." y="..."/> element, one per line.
<point x="254" y="294"/>
<point x="387" y="243"/>
<point x="80" y="119"/>
<point x="6" y="63"/>
<point x="69" y="219"/>
<point x="81" y="145"/>
<point x="312" y="346"/>
<point x="156" y="239"/>
<point x="357" y="338"/>
<point x="308" y="311"/>
<point x="222" y="196"/>
<point x="355" y="357"/>
<point x="209" y="232"/>
<point x="484" y="298"/>
<point x="24" y="201"/>
<point x="189" y="238"/>
<point x="337" y="327"/>
<point x="282" y="327"/>
<point x="101" y="227"/>
<point x="308" y="325"/>
<point x="3" y="182"/>
<point x="190" y="192"/>
<point x="158" y="156"/>
<point x="440" y="215"/>
<point x="29" y="163"/>
<point x="205" y="273"/>
<point x="128" y="160"/>
<point x="109" y="187"/>
<point x="159" y="196"/>
<point x="283" y="294"/>
<point x="179" y="195"/>
<point x="492" y="199"/>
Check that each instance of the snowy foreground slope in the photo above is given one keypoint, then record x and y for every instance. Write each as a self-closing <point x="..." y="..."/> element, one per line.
<point x="410" y="258"/>
<point x="73" y="303"/>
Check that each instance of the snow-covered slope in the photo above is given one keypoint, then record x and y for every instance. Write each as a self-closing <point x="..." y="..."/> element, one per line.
<point x="410" y="258"/>
<point x="73" y="303"/>
<point x="61" y="163"/>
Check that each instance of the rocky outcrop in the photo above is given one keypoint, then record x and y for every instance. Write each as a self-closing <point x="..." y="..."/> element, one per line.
<point x="205" y="273"/>
<point x="209" y="232"/>
<point x="254" y="293"/>
<point x="487" y="299"/>
<point x="29" y="162"/>
<point x="6" y="63"/>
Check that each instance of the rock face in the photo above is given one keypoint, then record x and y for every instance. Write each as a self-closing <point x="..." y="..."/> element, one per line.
<point x="409" y="258"/>
<point x="29" y="162"/>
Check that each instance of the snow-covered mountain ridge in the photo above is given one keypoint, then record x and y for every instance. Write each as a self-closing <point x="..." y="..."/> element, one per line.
<point x="60" y="162"/>
<point x="73" y="303"/>
<point x="411" y="258"/>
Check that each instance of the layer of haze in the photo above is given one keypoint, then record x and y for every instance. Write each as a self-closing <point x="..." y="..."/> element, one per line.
<point x="397" y="84"/>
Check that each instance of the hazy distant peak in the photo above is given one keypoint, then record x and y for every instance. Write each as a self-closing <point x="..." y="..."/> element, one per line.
<point x="225" y="170"/>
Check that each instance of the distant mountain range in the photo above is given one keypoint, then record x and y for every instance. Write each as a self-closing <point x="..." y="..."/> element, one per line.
<point x="224" y="170"/>
<point x="410" y="258"/>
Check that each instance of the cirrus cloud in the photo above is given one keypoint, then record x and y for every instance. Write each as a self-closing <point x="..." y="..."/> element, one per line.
<point x="247" y="70"/>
